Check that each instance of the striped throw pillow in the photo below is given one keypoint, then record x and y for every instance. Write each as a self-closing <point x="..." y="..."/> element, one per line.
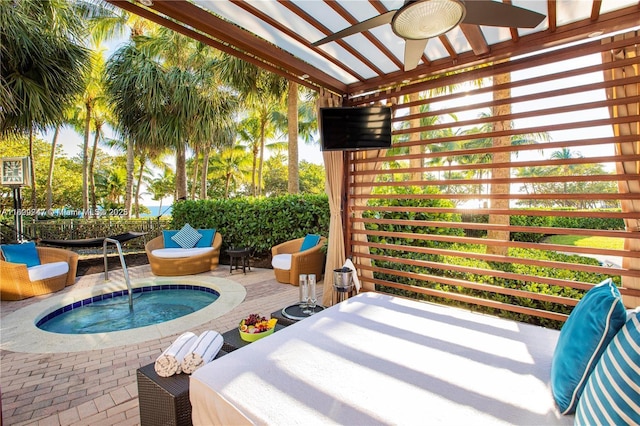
<point x="612" y="393"/>
<point x="187" y="237"/>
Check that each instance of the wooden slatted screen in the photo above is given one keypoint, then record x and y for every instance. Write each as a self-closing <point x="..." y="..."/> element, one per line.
<point x="486" y="165"/>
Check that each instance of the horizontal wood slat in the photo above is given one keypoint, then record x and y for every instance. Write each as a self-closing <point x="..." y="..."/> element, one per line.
<point x="460" y="297"/>
<point x="486" y="226"/>
<point x="508" y="212"/>
<point x="485" y="241"/>
<point x="438" y="161"/>
<point x="499" y="258"/>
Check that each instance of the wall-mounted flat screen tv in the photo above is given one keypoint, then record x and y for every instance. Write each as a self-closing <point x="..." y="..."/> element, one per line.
<point x="353" y="128"/>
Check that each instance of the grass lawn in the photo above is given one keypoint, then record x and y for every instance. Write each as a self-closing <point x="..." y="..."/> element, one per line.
<point x="581" y="241"/>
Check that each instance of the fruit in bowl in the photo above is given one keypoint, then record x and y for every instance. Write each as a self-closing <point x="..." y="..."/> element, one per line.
<point x="255" y="327"/>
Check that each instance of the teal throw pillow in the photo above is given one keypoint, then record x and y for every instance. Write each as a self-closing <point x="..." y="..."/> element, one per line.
<point x="612" y="393"/>
<point x="21" y="253"/>
<point x="167" y="236"/>
<point x="187" y="237"/>
<point x="207" y="237"/>
<point x="310" y="241"/>
<point x="583" y="338"/>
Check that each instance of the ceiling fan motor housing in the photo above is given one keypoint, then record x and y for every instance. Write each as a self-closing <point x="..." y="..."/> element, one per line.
<point x="423" y="19"/>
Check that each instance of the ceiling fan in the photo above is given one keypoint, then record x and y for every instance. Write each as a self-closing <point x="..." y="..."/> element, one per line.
<point x="419" y="20"/>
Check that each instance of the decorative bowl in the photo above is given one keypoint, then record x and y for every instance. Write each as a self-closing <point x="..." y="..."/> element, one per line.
<point x="255" y="327"/>
<point x="252" y="337"/>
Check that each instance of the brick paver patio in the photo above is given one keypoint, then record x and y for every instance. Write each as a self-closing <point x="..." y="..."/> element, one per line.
<point x="98" y="387"/>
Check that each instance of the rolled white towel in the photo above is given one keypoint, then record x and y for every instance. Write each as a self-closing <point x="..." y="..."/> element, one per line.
<point x="170" y="361"/>
<point x="203" y="351"/>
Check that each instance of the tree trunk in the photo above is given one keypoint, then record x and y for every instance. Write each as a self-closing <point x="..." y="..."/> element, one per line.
<point x="501" y="157"/>
<point x="128" y="195"/>
<point x="254" y="168"/>
<point x="91" y="174"/>
<point x="194" y="177"/>
<point x="181" y="172"/>
<point x="52" y="161"/>
<point x="85" y="159"/>
<point x="261" y="163"/>
<point x="205" y="172"/>
<point x="143" y="160"/>
<point x="292" y="123"/>
<point x="34" y="198"/>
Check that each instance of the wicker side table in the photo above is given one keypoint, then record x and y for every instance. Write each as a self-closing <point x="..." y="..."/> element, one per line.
<point x="164" y="400"/>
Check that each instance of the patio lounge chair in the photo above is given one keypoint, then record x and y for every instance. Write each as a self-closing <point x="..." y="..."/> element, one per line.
<point x="176" y="261"/>
<point x="289" y="261"/>
<point x="50" y="276"/>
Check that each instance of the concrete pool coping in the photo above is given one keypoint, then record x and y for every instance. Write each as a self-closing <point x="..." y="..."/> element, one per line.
<point x="20" y="334"/>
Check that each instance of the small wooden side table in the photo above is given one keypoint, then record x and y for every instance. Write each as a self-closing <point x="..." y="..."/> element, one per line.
<point x="239" y="254"/>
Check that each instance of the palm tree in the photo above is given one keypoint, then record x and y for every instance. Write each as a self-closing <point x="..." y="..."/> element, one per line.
<point x="38" y="91"/>
<point x="189" y="111"/>
<point x="54" y="144"/>
<point x="117" y="23"/>
<point x="301" y="124"/>
<point x="91" y="112"/>
<point x="255" y="130"/>
<point x="162" y="186"/>
<point x="233" y="164"/>
<point x="263" y="94"/>
<point x="136" y="86"/>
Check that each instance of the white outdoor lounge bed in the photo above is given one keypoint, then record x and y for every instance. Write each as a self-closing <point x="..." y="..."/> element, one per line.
<point x="378" y="359"/>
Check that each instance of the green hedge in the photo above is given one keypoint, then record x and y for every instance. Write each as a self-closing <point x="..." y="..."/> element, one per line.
<point x="260" y="223"/>
<point x="544" y="221"/>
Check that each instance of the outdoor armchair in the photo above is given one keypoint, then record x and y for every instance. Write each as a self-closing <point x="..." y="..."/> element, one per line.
<point x="15" y="283"/>
<point x="289" y="262"/>
<point x="182" y="261"/>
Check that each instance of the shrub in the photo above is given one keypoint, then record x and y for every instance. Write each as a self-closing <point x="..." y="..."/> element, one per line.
<point x="259" y="223"/>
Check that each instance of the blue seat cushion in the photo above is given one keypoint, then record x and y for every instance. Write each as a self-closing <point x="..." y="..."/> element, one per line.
<point x="595" y="320"/>
<point x="21" y="253"/>
<point x="207" y="237"/>
<point x="168" y="240"/>
<point x="612" y="393"/>
<point x="310" y="241"/>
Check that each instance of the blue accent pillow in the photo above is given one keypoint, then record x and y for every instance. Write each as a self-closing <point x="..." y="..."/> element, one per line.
<point x="21" y="253"/>
<point x="167" y="236"/>
<point x="583" y="338"/>
<point x="207" y="237"/>
<point x="187" y="237"/>
<point x="612" y="393"/>
<point x="310" y="241"/>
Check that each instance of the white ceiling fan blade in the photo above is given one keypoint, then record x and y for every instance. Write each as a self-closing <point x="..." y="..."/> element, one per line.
<point x="496" y="14"/>
<point x="376" y="21"/>
<point x="413" y="51"/>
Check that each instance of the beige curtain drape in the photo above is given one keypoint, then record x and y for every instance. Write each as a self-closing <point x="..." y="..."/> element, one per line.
<point x="333" y="164"/>
<point x="631" y="109"/>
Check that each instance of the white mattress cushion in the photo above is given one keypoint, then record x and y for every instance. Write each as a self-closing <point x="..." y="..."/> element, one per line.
<point x="172" y="253"/>
<point x="379" y="359"/>
<point x="47" y="270"/>
<point x="281" y="261"/>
